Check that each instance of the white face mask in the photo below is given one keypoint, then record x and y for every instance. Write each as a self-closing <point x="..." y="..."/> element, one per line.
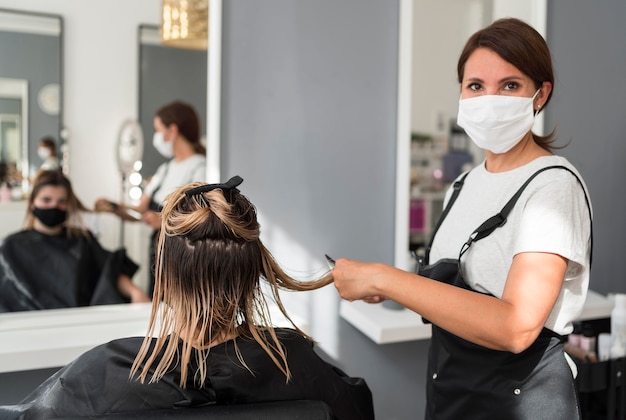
<point x="496" y="122"/>
<point x="43" y="152"/>
<point x="165" y="148"/>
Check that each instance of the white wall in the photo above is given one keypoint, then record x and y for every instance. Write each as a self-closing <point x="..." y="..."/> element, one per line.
<point x="100" y="87"/>
<point x="440" y="29"/>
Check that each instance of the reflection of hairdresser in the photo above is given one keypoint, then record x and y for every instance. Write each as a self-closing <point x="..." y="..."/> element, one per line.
<point x="213" y="337"/>
<point x="176" y="137"/>
<point x="55" y="262"/>
<point x="47" y="152"/>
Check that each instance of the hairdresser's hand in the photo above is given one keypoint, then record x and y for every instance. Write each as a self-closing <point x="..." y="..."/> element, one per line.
<point x="105" y="205"/>
<point x="358" y="280"/>
<point x="153" y="219"/>
<point x="139" y="296"/>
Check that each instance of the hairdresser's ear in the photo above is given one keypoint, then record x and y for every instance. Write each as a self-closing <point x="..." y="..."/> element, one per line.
<point x="174" y="129"/>
<point x="543" y="95"/>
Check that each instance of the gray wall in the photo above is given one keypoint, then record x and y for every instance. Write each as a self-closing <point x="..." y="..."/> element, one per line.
<point x="309" y="122"/>
<point x="309" y="118"/>
<point x="588" y="43"/>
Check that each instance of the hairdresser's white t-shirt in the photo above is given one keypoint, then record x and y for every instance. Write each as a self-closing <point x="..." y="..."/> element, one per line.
<point x="550" y="216"/>
<point x="171" y="175"/>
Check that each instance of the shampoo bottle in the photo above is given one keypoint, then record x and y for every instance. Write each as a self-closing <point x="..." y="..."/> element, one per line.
<point x="618" y="327"/>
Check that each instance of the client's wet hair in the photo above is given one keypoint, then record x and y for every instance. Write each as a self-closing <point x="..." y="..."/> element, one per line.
<point x="210" y="262"/>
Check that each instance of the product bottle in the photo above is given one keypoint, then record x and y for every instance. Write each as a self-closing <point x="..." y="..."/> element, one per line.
<point x="618" y="327"/>
<point x="588" y="340"/>
<point x="604" y="346"/>
<point x="5" y="193"/>
<point x="576" y="334"/>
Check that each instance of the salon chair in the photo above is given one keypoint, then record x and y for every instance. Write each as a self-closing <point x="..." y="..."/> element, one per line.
<point x="275" y="410"/>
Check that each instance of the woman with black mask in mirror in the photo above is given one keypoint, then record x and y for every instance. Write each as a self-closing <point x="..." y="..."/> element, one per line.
<point x="56" y="262"/>
<point x="211" y="339"/>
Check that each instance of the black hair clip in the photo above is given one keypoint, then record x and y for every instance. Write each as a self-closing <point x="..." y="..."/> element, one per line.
<point x="231" y="184"/>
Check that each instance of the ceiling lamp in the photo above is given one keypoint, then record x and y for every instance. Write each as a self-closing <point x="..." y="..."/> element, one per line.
<point x="185" y="23"/>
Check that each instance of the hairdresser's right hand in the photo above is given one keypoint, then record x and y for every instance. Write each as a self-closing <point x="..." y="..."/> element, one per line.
<point x="153" y="219"/>
<point x="105" y="205"/>
<point x="358" y="280"/>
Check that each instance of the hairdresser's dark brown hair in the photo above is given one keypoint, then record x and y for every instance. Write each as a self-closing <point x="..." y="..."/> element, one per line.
<point x="521" y="45"/>
<point x="187" y="121"/>
<point x="49" y="142"/>
<point x="210" y="263"/>
<point x="74" y="225"/>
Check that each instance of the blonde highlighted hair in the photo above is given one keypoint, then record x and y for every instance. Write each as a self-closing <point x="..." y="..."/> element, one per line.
<point x="209" y="265"/>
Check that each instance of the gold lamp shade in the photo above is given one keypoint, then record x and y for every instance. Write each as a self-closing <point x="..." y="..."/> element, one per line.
<point x="185" y="23"/>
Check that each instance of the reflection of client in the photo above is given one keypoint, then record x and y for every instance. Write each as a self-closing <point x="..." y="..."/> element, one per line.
<point x="55" y="262"/>
<point x="215" y="342"/>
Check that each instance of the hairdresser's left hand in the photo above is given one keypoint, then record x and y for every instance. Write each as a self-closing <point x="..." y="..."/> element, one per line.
<point x="360" y="280"/>
<point x="153" y="219"/>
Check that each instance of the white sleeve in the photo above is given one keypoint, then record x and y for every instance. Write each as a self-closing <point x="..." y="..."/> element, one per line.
<point x="556" y="219"/>
<point x="199" y="172"/>
<point x="156" y="180"/>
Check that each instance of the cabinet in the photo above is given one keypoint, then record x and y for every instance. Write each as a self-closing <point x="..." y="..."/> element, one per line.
<point x="602" y="389"/>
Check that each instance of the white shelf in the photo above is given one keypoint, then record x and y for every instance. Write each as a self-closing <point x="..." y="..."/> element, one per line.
<point x="54" y="337"/>
<point x="383" y="325"/>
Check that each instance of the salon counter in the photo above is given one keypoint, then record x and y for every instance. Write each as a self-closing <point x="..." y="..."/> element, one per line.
<point x="52" y="338"/>
<point x="383" y="325"/>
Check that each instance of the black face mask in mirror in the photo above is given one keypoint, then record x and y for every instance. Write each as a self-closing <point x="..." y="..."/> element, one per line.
<point x="50" y="217"/>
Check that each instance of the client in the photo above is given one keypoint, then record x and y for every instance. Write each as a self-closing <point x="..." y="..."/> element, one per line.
<point x="55" y="262"/>
<point x="210" y="338"/>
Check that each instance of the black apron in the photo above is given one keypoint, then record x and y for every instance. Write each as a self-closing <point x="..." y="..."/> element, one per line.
<point x="469" y="381"/>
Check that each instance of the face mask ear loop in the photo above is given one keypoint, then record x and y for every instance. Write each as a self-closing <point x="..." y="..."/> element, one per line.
<point x="536" y="111"/>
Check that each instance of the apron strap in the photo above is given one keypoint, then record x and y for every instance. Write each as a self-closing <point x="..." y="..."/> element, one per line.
<point x="498" y="220"/>
<point x="455" y="193"/>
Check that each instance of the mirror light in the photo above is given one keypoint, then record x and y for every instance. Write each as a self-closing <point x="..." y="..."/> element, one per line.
<point x="135" y="178"/>
<point x="135" y="193"/>
<point x="185" y="23"/>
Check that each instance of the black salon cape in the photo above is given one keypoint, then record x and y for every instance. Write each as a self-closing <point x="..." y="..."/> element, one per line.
<point x="39" y="271"/>
<point x="98" y="382"/>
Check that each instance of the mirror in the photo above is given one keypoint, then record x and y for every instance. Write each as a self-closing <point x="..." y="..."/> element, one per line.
<point x="164" y="74"/>
<point x="167" y="74"/>
<point x="427" y="106"/>
<point x="30" y="92"/>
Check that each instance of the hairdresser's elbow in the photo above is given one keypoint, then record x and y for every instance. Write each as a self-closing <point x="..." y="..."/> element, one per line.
<point x="520" y="340"/>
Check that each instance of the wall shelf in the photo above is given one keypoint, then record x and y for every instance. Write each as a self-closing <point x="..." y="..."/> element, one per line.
<point x="383" y="325"/>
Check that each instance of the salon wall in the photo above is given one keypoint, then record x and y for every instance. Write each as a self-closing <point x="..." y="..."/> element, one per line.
<point x="588" y="42"/>
<point x="309" y="121"/>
